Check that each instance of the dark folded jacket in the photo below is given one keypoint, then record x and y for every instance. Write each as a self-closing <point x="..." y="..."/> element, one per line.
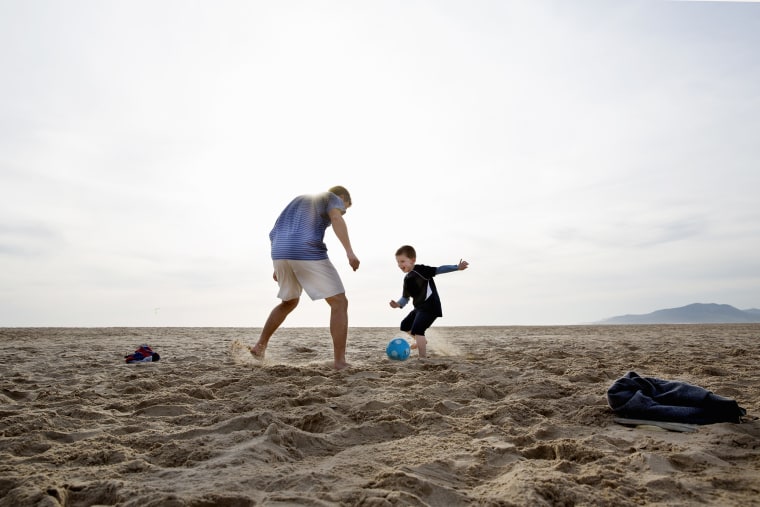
<point x="655" y="399"/>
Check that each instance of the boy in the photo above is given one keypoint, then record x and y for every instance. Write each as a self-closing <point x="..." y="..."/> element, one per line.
<point x="419" y="285"/>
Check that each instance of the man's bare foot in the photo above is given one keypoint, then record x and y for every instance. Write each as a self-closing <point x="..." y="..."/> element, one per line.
<point x="257" y="351"/>
<point x="341" y="365"/>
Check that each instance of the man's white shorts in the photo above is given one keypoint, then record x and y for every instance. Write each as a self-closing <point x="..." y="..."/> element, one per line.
<point x="319" y="279"/>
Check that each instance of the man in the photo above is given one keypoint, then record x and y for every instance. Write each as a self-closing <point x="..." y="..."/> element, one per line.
<point x="300" y="260"/>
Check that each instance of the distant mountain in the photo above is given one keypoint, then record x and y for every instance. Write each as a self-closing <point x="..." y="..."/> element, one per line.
<point x="697" y="313"/>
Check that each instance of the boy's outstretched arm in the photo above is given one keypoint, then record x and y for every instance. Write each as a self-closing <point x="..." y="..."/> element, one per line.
<point x="448" y="268"/>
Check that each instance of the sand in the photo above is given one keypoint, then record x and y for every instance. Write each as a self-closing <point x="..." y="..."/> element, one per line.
<point x="501" y="416"/>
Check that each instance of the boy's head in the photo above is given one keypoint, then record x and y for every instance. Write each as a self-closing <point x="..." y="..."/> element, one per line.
<point x="406" y="257"/>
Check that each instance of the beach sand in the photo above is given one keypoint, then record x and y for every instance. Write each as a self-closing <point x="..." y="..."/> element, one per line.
<point x="498" y="416"/>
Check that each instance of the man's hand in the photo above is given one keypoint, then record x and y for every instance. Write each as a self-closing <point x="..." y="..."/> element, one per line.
<point x="353" y="260"/>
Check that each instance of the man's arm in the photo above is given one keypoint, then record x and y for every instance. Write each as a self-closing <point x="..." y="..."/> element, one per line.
<point x="341" y="231"/>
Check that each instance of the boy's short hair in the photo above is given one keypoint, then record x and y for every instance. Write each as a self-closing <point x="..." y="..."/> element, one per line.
<point x="407" y="251"/>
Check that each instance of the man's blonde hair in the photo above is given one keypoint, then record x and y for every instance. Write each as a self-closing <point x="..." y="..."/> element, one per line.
<point x="341" y="192"/>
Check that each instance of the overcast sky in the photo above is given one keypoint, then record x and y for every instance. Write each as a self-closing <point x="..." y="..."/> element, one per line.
<point x="588" y="158"/>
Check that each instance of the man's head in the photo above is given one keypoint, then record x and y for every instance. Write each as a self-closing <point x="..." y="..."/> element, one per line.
<point x="343" y="194"/>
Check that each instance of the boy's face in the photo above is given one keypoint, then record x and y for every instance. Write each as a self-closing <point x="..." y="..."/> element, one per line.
<point x="405" y="264"/>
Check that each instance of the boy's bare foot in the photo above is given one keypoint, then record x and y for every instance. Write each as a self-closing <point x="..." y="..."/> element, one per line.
<point x="341" y="365"/>
<point x="413" y="346"/>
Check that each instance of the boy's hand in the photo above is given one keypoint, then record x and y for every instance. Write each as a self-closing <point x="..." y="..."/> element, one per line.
<point x="394" y="304"/>
<point x="462" y="265"/>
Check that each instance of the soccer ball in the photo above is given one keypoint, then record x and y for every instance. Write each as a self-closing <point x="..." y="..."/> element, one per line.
<point x="398" y="349"/>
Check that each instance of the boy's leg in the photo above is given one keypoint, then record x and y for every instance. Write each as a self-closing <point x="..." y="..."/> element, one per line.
<point x="421" y="345"/>
<point x="406" y="326"/>
<point x="422" y="322"/>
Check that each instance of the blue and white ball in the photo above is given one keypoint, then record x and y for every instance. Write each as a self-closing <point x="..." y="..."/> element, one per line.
<point x="398" y="349"/>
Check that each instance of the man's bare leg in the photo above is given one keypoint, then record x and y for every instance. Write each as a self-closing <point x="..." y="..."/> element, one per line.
<point x="276" y="318"/>
<point x="339" y="328"/>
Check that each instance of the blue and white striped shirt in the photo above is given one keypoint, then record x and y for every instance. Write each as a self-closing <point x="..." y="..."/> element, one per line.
<point x="299" y="232"/>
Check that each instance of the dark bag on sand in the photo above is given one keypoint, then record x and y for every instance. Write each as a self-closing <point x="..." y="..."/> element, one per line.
<point x="144" y="354"/>
<point x="655" y="399"/>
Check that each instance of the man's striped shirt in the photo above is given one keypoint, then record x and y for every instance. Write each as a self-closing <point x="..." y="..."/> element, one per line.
<point x="299" y="232"/>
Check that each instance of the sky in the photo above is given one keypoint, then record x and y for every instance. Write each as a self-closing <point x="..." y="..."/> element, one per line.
<point x="587" y="158"/>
